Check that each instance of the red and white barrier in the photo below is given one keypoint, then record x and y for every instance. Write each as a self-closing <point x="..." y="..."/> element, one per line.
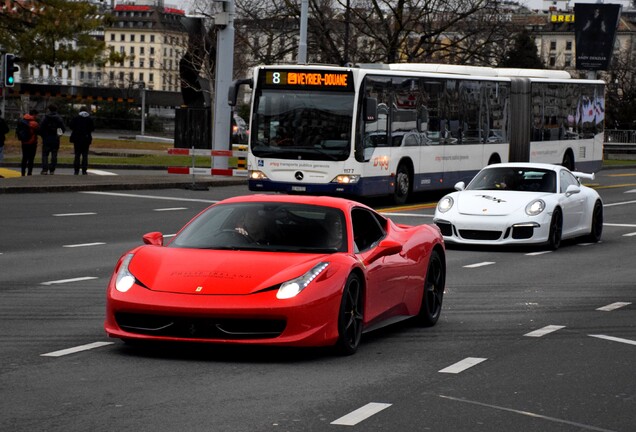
<point x="239" y="151"/>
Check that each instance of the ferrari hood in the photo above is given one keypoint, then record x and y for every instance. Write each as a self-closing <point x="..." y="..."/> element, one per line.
<point x="492" y="202"/>
<point x="215" y="272"/>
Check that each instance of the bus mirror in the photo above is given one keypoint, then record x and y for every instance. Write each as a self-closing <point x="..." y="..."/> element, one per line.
<point x="370" y="109"/>
<point x="233" y="90"/>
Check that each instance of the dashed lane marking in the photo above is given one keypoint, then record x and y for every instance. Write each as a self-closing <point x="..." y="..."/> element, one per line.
<point x="544" y="331"/>
<point x="101" y="172"/>
<point x="614" y="339"/>
<point x="538" y="253"/>
<point x="84" y="245"/>
<point x="76" y="349"/>
<point x="63" y="281"/>
<point x="74" y="214"/>
<point x="462" y="365"/>
<point x="481" y="264"/>
<point x="125" y="195"/>
<point x="361" y="414"/>
<point x="613" y="306"/>
<point x="170" y="209"/>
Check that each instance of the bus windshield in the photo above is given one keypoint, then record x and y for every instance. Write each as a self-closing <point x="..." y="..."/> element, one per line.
<point x="311" y="125"/>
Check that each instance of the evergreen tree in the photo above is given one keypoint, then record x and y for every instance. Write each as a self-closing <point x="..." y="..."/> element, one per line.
<point x="523" y="53"/>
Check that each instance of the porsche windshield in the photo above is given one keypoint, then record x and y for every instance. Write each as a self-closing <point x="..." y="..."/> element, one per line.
<point x="515" y="179"/>
<point x="266" y="226"/>
<point x="313" y="125"/>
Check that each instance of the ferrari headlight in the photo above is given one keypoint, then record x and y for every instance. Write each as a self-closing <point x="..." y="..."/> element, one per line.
<point x="535" y="207"/>
<point x="125" y="279"/>
<point x="445" y="204"/>
<point x="291" y="288"/>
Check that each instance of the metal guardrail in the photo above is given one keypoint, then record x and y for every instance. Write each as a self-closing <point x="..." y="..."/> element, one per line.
<point x="615" y="136"/>
<point x="619" y="144"/>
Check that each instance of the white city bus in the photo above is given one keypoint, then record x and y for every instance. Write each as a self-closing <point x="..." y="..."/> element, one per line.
<point x="395" y="129"/>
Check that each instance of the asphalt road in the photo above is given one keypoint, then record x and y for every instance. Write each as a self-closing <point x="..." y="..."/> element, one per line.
<point x="527" y="341"/>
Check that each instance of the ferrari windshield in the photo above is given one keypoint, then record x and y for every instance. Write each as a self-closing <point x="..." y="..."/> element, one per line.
<point x="313" y="125"/>
<point x="266" y="226"/>
<point x="515" y="179"/>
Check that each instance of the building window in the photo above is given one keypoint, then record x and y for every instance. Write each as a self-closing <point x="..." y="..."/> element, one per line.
<point x="552" y="60"/>
<point x="152" y="50"/>
<point x="568" y="61"/>
<point x="151" y="63"/>
<point x="151" y="77"/>
<point x="141" y="76"/>
<point x="132" y="37"/>
<point x="121" y="76"/>
<point x="111" y="76"/>
<point x="141" y="50"/>
<point x="568" y="46"/>
<point x="122" y="37"/>
<point x="132" y="50"/>
<point x="142" y="38"/>
<point x="112" y="36"/>
<point x="152" y="38"/>
<point x="132" y="63"/>
<point x="141" y="63"/>
<point x="552" y="45"/>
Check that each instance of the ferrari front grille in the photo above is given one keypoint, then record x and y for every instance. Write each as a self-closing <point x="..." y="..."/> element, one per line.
<point x="479" y="235"/>
<point x="200" y="328"/>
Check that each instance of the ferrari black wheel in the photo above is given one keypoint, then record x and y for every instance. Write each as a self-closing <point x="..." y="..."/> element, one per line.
<point x="434" y="285"/>
<point x="350" y="317"/>
<point x="556" y="229"/>
<point x="402" y="184"/>
<point x="596" y="229"/>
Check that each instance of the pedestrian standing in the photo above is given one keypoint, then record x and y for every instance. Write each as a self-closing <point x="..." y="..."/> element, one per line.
<point x="4" y="129"/>
<point x="51" y="128"/>
<point x="82" y="127"/>
<point x="27" y="133"/>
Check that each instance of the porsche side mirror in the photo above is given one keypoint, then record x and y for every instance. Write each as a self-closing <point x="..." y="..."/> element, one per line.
<point x="460" y="186"/>
<point x="153" y="238"/>
<point x="385" y="248"/>
<point x="572" y="189"/>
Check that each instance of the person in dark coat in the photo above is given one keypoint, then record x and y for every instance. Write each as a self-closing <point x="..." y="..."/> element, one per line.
<point x="82" y="127"/>
<point x="51" y="128"/>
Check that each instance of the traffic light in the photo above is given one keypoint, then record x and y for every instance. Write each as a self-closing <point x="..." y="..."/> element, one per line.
<point x="9" y="69"/>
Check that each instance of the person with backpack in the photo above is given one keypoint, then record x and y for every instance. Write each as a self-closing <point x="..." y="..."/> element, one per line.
<point x="27" y="133"/>
<point x="82" y="127"/>
<point x="51" y="128"/>
<point x="4" y="129"/>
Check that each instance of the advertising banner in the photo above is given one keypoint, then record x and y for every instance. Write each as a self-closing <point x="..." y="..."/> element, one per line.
<point x="595" y="31"/>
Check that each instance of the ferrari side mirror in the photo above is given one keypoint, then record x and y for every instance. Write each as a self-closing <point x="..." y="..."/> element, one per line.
<point x="153" y="238"/>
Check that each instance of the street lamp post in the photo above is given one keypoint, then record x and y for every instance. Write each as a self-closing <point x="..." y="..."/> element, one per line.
<point x="142" y="89"/>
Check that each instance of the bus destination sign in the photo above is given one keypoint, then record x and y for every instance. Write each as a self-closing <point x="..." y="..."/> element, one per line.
<point x="309" y="79"/>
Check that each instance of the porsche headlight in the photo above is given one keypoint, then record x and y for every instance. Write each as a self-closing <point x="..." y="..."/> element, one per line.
<point x="445" y="204"/>
<point x="291" y="288"/>
<point x="125" y="279"/>
<point x="535" y="207"/>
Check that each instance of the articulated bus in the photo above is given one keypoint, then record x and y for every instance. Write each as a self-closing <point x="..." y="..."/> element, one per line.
<point x="395" y="129"/>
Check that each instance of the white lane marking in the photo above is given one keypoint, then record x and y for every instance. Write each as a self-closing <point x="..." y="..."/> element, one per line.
<point x="613" y="306"/>
<point x="586" y="244"/>
<point x="632" y="234"/>
<point x="63" y="281"/>
<point x="619" y="203"/>
<point x="529" y="414"/>
<point x="614" y="339"/>
<point x="620" y="225"/>
<point x="544" y="331"/>
<point x="170" y="209"/>
<point x="76" y="349"/>
<point x="538" y="253"/>
<point x="389" y="214"/>
<point x="149" y="197"/>
<point x="84" y="245"/>
<point x="169" y="235"/>
<point x="74" y="214"/>
<point x="101" y="173"/>
<point x="481" y="264"/>
<point x="462" y="365"/>
<point x="363" y="413"/>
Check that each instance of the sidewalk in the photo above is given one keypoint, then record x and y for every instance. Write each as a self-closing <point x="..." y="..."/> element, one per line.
<point x="65" y="181"/>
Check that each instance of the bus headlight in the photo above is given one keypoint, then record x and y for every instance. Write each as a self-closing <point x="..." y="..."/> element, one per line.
<point x="346" y="178"/>
<point x="257" y="175"/>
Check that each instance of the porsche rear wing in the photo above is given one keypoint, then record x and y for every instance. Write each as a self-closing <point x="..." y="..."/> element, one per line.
<point x="583" y="175"/>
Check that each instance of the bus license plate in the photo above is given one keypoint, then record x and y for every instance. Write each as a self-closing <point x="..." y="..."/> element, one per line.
<point x="298" y="188"/>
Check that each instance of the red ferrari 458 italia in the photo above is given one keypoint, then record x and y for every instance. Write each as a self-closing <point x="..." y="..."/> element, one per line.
<point x="278" y="270"/>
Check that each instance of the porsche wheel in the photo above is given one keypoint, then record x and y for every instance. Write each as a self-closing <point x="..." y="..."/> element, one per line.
<point x="350" y="317"/>
<point x="402" y="184"/>
<point x="556" y="229"/>
<point x="597" y="223"/>
<point x="433" y="292"/>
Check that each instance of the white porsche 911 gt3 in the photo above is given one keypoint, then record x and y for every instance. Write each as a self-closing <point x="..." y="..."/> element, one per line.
<point x="521" y="203"/>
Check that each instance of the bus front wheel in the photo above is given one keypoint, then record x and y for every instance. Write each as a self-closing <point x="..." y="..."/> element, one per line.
<point x="402" y="184"/>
